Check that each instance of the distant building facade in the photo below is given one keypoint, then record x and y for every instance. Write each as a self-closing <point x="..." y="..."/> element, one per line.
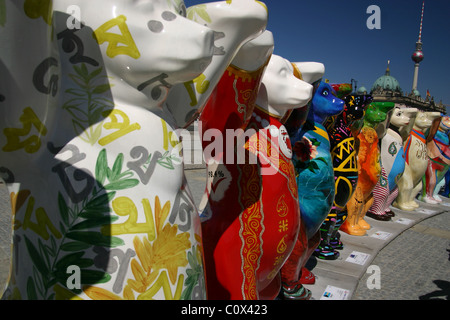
<point x="387" y="88"/>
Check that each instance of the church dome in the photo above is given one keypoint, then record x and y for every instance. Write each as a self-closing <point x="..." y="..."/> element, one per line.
<point x="387" y="82"/>
<point x="362" y="90"/>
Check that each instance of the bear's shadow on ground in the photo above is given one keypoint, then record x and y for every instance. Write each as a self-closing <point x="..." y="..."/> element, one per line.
<point x="442" y="294"/>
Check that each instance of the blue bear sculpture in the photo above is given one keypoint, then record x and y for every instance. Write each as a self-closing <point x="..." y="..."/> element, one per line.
<point x="315" y="180"/>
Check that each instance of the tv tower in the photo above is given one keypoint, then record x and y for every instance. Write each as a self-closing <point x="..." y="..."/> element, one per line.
<point x="417" y="56"/>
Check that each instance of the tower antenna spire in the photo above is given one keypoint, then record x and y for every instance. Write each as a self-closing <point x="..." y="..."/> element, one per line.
<point x="421" y="22"/>
<point x="417" y="56"/>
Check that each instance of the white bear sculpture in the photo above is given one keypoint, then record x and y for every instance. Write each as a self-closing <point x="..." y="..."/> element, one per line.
<point x="100" y="203"/>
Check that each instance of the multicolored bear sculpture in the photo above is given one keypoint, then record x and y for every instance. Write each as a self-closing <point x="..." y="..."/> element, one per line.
<point x="369" y="169"/>
<point x="250" y="232"/>
<point x="344" y="155"/>
<point x="315" y="180"/>
<point x="438" y="150"/>
<point x="229" y="109"/>
<point x="392" y="164"/>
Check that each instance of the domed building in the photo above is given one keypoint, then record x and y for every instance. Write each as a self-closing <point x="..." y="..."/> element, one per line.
<point x="361" y="90"/>
<point x="387" y="88"/>
<point x="387" y="83"/>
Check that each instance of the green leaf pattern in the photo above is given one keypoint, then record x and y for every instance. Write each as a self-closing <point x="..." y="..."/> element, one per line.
<point x="80" y="233"/>
<point x="198" y="14"/>
<point x="90" y="87"/>
<point x="2" y="13"/>
<point x="80" y="229"/>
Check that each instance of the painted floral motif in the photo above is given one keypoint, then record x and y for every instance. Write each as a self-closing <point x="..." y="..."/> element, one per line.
<point x="306" y="153"/>
<point x="305" y="150"/>
<point x="155" y="259"/>
<point x="168" y="251"/>
<point x="392" y="149"/>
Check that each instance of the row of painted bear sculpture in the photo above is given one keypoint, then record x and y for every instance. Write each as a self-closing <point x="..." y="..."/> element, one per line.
<point x="92" y="157"/>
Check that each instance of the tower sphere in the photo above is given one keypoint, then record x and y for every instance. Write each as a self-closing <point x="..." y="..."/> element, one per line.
<point x="417" y="56"/>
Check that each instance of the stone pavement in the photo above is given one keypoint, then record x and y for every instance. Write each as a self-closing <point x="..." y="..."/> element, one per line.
<point x="410" y="255"/>
<point x="414" y="265"/>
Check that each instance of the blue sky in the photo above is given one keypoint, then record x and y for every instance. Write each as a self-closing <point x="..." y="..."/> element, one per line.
<point x="335" y="33"/>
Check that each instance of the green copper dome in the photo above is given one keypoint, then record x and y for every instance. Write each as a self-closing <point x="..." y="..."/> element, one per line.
<point x="387" y="82"/>
<point x="361" y="90"/>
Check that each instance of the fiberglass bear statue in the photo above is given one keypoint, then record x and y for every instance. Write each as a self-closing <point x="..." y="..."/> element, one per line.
<point x="248" y="240"/>
<point x="438" y="150"/>
<point x="392" y="164"/>
<point x="344" y="155"/>
<point x="95" y="168"/>
<point x="369" y="169"/>
<point x="416" y="164"/>
<point x="315" y="180"/>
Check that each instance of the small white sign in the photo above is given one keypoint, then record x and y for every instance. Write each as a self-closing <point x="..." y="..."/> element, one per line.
<point x="358" y="257"/>
<point x="382" y="235"/>
<point x="425" y="211"/>
<point x="335" y="293"/>
<point x="405" y="221"/>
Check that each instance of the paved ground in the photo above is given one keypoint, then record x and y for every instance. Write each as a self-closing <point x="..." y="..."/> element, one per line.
<point x="413" y="259"/>
<point x="415" y="265"/>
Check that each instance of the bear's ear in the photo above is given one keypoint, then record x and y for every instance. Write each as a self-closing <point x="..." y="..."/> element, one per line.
<point x="310" y="71"/>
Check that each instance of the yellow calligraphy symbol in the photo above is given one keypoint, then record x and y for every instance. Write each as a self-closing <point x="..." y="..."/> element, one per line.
<point x="124" y="206"/>
<point x="37" y="8"/>
<point x="43" y="221"/>
<point x="169" y="136"/>
<point x="163" y="282"/>
<point x="32" y="143"/>
<point x="188" y="86"/>
<point x="123" y="127"/>
<point x="129" y="48"/>
<point x="201" y="85"/>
